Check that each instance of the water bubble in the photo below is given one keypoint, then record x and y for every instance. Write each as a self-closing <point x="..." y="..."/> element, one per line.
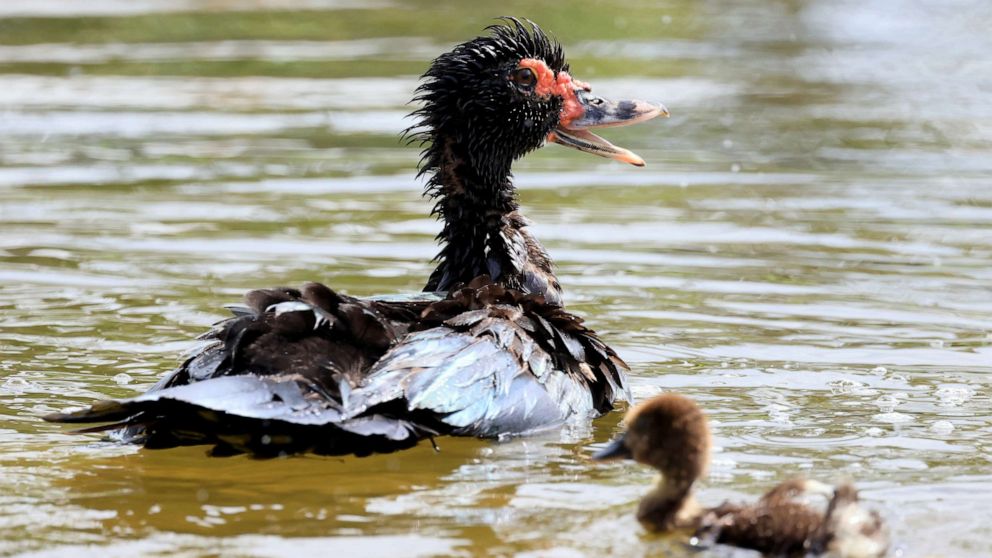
<point x="894" y="418"/>
<point x="902" y="464"/>
<point x="942" y="427"/>
<point x="16" y="386"/>
<point x="887" y="403"/>
<point x="123" y="379"/>
<point x="954" y="396"/>
<point x="849" y="386"/>
<point x="779" y="413"/>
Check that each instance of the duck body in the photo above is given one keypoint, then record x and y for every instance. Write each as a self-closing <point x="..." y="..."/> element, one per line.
<point x="670" y="434"/>
<point x="314" y="371"/>
<point x="781" y="524"/>
<point x="487" y="351"/>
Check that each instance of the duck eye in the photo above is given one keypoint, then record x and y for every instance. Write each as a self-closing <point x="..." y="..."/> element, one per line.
<point x="523" y="77"/>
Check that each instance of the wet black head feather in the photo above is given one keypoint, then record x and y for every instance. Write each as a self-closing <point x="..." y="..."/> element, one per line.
<point x="470" y="105"/>
<point x="515" y="37"/>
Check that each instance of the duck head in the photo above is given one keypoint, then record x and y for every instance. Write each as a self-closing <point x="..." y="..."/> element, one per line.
<point x="668" y="432"/>
<point x="503" y="95"/>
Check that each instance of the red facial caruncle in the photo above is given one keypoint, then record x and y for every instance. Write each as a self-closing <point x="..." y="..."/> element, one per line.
<point x="581" y="111"/>
<point x="561" y="85"/>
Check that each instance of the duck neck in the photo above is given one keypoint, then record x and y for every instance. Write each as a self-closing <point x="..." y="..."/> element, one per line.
<point x="668" y="507"/>
<point x="484" y="232"/>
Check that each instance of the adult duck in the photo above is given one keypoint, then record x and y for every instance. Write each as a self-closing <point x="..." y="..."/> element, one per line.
<point x="669" y="433"/>
<point x="488" y="351"/>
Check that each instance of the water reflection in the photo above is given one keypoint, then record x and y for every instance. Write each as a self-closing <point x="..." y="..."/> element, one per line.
<point x="807" y="254"/>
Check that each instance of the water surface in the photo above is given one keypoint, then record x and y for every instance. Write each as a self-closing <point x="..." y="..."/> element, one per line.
<point x="808" y="254"/>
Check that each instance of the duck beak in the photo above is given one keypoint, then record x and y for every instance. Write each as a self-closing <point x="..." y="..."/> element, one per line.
<point x="584" y="111"/>
<point x="617" y="449"/>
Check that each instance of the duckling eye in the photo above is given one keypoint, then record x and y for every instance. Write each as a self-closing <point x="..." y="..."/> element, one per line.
<point x="523" y="77"/>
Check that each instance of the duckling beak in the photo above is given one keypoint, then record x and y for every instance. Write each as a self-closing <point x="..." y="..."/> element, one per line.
<point x="584" y="111"/>
<point x="617" y="449"/>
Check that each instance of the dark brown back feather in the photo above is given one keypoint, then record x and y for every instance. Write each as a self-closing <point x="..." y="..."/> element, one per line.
<point x="293" y="355"/>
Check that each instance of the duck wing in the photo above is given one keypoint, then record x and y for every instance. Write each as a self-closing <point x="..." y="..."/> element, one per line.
<point x="491" y="362"/>
<point x="267" y="382"/>
<point x="313" y="370"/>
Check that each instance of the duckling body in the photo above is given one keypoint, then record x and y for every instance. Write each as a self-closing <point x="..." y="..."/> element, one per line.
<point x="669" y="433"/>
<point x="487" y="351"/>
<point x="777" y="524"/>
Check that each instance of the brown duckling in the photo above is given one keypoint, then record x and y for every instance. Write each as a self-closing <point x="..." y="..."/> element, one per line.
<point x="670" y="433"/>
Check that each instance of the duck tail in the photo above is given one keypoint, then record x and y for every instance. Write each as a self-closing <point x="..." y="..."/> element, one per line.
<point x="99" y="411"/>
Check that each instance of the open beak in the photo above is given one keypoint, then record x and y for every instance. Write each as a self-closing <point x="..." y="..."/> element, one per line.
<point x="617" y="449"/>
<point x="585" y="111"/>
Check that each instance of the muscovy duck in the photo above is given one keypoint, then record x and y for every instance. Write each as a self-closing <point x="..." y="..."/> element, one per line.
<point x="488" y="351"/>
<point x="669" y="433"/>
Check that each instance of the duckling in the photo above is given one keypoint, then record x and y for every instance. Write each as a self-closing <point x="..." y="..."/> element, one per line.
<point x="670" y="433"/>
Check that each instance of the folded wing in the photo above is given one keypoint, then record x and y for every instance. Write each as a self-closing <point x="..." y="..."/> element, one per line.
<point x="313" y="370"/>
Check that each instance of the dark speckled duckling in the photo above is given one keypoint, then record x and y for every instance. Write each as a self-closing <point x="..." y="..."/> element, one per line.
<point x="669" y="433"/>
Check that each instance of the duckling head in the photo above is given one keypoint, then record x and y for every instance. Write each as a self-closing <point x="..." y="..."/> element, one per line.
<point x="668" y="432"/>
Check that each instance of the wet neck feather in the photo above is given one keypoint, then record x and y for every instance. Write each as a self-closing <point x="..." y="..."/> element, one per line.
<point x="670" y="506"/>
<point x="483" y="231"/>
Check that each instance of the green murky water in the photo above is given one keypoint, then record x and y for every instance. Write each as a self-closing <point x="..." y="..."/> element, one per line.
<point x="808" y="253"/>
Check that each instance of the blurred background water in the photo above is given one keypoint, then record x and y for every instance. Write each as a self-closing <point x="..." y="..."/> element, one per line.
<point x="807" y="253"/>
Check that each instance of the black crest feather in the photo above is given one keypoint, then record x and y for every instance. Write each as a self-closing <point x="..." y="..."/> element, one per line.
<point x="507" y="42"/>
